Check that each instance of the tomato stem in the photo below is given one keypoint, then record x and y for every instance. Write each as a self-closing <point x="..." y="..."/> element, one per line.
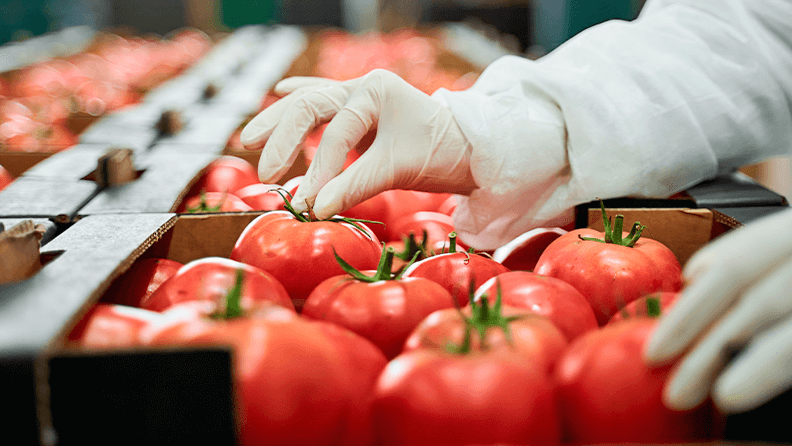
<point x="653" y="306"/>
<point x="412" y="247"/>
<point x="232" y="302"/>
<point x="203" y="206"/>
<point x="309" y="216"/>
<point x="614" y="234"/>
<point x="383" y="268"/>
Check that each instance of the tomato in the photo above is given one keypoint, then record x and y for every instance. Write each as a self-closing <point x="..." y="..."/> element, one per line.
<point x="448" y="206"/>
<point x="111" y="326"/>
<point x="213" y="202"/>
<point x="430" y="397"/>
<point x="382" y="307"/>
<point x="522" y="253"/>
<point x="300" y="253"/>
<point x="437" y="226"/>
<point x="261" y="197"/>
<point x="547" y="296"/>
<point x="608" y="395"/>
<point x="140" y="281"/>
<point x="640" y="307"/>
<point x="510" y="328"/>
<point x="226" y="174"/>
<point x="290" y="380"/>
<point x="456" y="270"/>
<point x="611" y="275"/>
<point x="5" y="178"/>
<point x="376" y="208"/>
<point x="211" y="279"/>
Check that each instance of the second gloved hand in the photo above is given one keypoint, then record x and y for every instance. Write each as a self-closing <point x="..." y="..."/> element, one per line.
<point x="738" y="297"/>
<point x="418" y="144"/>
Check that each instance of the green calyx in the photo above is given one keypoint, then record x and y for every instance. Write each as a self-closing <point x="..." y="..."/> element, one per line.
<point x="383" y="268"/>
<point x="309" y="216"/>
<point x="203" y="206"/>
<point x="483" y="317"/>
<point x="412" y="247"/>
<point x="613" y="232"/>
<point x="652" y="308"/>
<point x="232" y="302"/>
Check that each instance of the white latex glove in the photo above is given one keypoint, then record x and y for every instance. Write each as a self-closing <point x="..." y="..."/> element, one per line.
<point x="739" y="294"/>
<point x="418" y="143"/>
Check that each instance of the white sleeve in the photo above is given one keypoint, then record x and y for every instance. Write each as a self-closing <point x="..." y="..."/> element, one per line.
<point x="644" y="108"/>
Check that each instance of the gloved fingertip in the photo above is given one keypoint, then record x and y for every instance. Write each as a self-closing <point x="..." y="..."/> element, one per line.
<point x="680" y="395"/>
<point x="250" y="134"/>
<point x="326" y="208"/>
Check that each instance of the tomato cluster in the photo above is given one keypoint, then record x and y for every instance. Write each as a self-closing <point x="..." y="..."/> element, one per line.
<point x="335" y="344"/>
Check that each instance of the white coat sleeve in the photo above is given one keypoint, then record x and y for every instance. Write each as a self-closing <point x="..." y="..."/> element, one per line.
<point x="644" y="108"/>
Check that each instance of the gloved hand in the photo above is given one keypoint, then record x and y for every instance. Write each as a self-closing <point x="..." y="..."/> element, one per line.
<point x="418" y="144"/>
<point x="738" y="295"/>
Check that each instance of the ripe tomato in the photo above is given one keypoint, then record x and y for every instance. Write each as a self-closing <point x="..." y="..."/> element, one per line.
<point x="211" y="279"/>
<point x="608" y="395"/>
<point x="510" y="328"/>
<point x="376" y="208"/>
<point x="383" y="308"/>
<point x="213" y="202"/>
<point x="522" y="253"/>
<point x="609" y="274"/>
<point x="261" y="197"/>
<point x="111" y="325"/>
<point x="431" y="397"/>
<point x="291" y="381"/>
<point x="437" y="226"/>
<point x="547" y="296"/>
<point x="455" y="271"/>
<point x="640" y="307"/>
<point x="300" y="253"/>
<point x="226" y="174"/>
<point x="137" y="285"/>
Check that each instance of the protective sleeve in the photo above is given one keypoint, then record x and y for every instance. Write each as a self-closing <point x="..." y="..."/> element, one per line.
<point x="644" y="108"/>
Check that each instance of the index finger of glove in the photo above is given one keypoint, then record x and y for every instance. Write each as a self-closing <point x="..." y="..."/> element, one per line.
<point x="305" y="113"/>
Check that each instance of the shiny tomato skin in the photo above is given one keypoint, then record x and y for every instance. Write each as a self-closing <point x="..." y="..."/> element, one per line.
<point x="300" y="254"/>
<point x="533" y="336"/>
<point x="427" y="397"/>
<point x="291" y="385"/>
<point x="547" y="296"/>
<point x="607" y="394"/>
<point x="384" y="312"/>
<point x="454" y="271"/>
<point x="610" y="275"/>
<point x="212" y="278"/>
<point x="224" y="202"/>
<point x="637" y="308"/>
<point x="142" y="279"/>
<point x="522" y="253"/>
<point x="227" y="174"/>
<point x="261" y="197"/>
<point x="437" y="226"/>
<point x="111" y="326"/>
<point x="376" y="208"/>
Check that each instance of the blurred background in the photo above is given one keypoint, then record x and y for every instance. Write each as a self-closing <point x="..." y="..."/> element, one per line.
<point x="528" y="27"/>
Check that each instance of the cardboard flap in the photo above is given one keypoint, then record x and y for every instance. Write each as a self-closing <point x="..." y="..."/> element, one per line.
<point x="683" y="231"/>
<point x="120" y="135"/>
<point x="89" y="255"/>
<point x="75" y="163"/>
<point x="160" y="188"/>
<point x="206" y="128"/>
<point x="53" y="198"/>
<point x="19" y="251"/>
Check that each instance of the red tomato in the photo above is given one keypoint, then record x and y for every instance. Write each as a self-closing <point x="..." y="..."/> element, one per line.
<point x="111" y="325"/>
<point x="261" y="197"/>
<point x="430" y="397"/>
<point x="522" y="253"/>
<point x="291" y="381"/>
<point x="211" y="279"/>
<point x="455" y="271"/>
<point x="137" y="285"/>
<point x="448" y="206"/>
<point x="300" y="253"/>
<point x="213" y="202"/>
<point x="547" y="296"/>
<point x="5" y="178"/>
<point x="437" y="226"/>
<point x="383" y="309"/>
<point x="226" y="174"/>
<point x="639" y="307"/>
<point x="376" y="208"/>
<point x="608" y="395"/>
<point x="610" y="275"/>
<point x="531" y="335"/>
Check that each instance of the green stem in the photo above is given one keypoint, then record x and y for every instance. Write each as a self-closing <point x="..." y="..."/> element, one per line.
<point x="653" y="307"/>
<point x="232" y="301"/>
<point x="203" y="206"/>
<point x="383" y="268"/>
<point x="614" y="233"/>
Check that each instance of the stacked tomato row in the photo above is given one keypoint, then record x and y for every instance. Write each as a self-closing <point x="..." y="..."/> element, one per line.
<point x="36" y="101"/>
<point x="336" y="343"/>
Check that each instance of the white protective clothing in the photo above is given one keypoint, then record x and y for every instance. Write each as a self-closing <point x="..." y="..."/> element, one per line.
<point x="741" y="282"/>
<point x="418" y="144"/>
<point x="644" y="108"/>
